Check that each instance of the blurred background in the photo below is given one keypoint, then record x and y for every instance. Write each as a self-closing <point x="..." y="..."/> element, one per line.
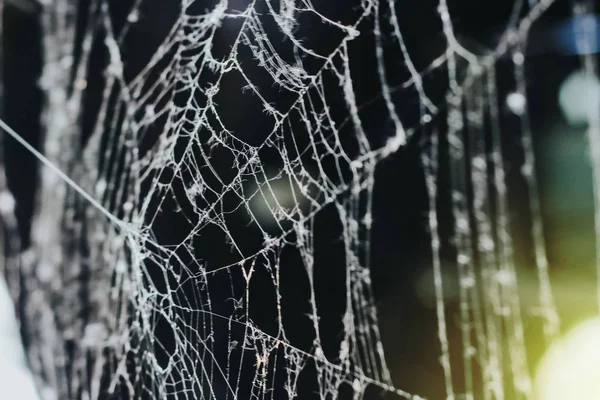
<point x="559" y="97"/>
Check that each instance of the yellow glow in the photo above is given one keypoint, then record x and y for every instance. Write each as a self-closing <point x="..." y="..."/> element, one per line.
<point x="571" y="368"/>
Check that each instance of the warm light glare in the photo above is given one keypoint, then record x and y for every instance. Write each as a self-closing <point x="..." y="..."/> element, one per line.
<point x="571" y="368"/>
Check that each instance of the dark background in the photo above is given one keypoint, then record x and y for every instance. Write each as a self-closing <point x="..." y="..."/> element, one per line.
<point x="400" y="244"/>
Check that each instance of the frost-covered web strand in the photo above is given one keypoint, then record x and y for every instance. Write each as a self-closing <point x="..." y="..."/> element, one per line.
<point x="552" y="323"/>
<point x="431" y="164"/>
<point x="486" y="332"/>
<point x="503" y="238"/>
<point x="385" y="89"/>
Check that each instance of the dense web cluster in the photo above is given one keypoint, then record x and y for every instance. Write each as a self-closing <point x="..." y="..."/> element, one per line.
<point x="189" y="150"/>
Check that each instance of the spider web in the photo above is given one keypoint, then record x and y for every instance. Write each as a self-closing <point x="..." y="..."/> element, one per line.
<point x="175" y="244"/>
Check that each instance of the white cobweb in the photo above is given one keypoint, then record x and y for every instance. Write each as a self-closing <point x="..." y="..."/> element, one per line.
<point x="159" y="223"/>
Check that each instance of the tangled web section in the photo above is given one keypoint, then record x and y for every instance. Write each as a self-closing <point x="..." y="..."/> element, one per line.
<point x="193" y="150"/>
